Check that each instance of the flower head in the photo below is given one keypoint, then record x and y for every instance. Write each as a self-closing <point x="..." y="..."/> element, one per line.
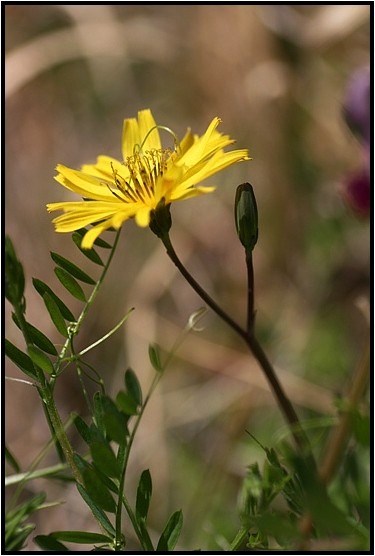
<point x="149" y="174"/>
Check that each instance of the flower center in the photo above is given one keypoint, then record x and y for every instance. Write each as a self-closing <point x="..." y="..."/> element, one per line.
<point x="144" y="169"/>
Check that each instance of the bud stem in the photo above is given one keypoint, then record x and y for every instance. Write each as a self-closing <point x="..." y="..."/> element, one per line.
<point x="285" y="404"/>
<point x="250" y="292"/>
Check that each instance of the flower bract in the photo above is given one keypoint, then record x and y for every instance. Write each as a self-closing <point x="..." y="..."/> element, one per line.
<point x="114" y="191"/>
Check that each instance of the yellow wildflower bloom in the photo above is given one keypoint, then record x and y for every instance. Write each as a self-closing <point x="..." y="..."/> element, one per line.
<point x="115" y="191"/>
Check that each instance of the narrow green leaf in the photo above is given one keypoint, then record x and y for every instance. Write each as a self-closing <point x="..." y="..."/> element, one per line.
<point x="14" y="275"/>
<point x="81" y="537"/>
<point x="97" y="511"/>
<point x="42" y="289"/>
<point x="94" y="486"/>
<point x="99" y="242"/>
<point x="55" y="314"/>
<point x="105" y="459"/>
<point x="40" y="359"/>
<point x="20" y="359"/>
<point x="83" y="429"/>
<point x="171" y="533"/>
<point x="99" y="412"/>
<point x="132" y="386"/>
<point x="37" y="337"/>
<point x="73" y="269"/>
<point x="154" y="355"/>
<point x="144" y="493"/>
<point x="70" y="283"/>
<point x="114" y="421"/>
<point x="126" y="403"/>
<point x="15" y="543"/>
<point x="12" y="460"/>
<point x="48" y="543"/>
<point x="111" y="485"/>
<point x="89" y="253"/>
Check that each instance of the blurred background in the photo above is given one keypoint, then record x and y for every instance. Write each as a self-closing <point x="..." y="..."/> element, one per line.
<point x="276" y="75"/>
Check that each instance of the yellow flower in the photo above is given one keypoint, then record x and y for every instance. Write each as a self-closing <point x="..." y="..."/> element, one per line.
<point x="115" y="191"/>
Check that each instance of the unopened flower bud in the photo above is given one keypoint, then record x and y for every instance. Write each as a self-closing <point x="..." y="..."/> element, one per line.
<point x="246" y="216"/>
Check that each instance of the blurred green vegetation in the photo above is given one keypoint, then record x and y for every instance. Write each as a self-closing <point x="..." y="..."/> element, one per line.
<point x="276" y="75"/>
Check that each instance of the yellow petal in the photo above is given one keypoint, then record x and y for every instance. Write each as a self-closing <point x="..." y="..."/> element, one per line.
<point x="104" y="168"/>
<point x="198" y="149"/>
<point x="85" y="185"/>
<point x="94" y="233"/>
<point x="146" y="123"/>
<point x="142" y="217"/>
<point x="130" y="137"/>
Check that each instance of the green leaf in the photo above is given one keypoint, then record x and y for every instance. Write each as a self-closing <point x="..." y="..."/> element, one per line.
<point x="83" y="429"/>
<point x="81" y="537"/>
<point x="105" y="459"/>
<point x="40" y="359"/>
<point x="99" y="412"/>
<point x="14" y="275"/>
<point x="16" y="530"/>
<point x="20" y="359"/>
<point x="114" y="421"/>
<point x="70" y="283"/>
<point x="132" y="386"/>
<point x="171" y="533"/>
<point x="97" y="511"/>
<point x="94" y="486"/>
<point x="16" y="542"/>
<point x="50" y="544"/>
<point x="12" y="460"/>
<point x="37" y="337"/>
<point x="144" y="493"/>
<point x="72" y="269"/>
<point x="279" y="526"/>
<point x="42" y="289"/>
<point x="55" y="314"/>
<point x="99" y="242"/>
<point x="126" y="403"/>
<point x="89" y="253"/>
<point x="111" y="485"/>
<point x="154" y="355"/>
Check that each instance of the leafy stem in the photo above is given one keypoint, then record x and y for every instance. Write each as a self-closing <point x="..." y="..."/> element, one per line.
<point x="144" y="542"/>
<point x="77" y="325"/>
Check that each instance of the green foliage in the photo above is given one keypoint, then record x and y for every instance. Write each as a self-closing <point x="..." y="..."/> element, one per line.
<point x="70" y="284"/>
<point x="17" y="529"/>
<point x="20" y="359"/>
<point x="72" y="269"/>
<point x="154" y="355"/>
<point x="40" y="359"/>
<point x="37" y="337"/>
<point x="144" y="493"/>
<point x="14" y="276"/>
<point x="46" y="293"/>
<point x="265" y="524"/>
<point x="89" y="253"/>
<point x="171" y="533"/>
<point x="274" y="499"/>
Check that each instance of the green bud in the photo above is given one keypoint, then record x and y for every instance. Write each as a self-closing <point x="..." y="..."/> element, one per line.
<point x="161" y="220"/>
<point x="246" y="216"/>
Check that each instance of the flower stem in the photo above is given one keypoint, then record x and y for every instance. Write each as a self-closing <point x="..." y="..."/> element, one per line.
<point x="252" y="343"/>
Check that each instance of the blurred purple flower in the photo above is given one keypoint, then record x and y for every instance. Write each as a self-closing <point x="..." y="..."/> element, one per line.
<point x="357" y="192"/>
<point x="357" y="115"/>
<point x="357" y="104"/>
